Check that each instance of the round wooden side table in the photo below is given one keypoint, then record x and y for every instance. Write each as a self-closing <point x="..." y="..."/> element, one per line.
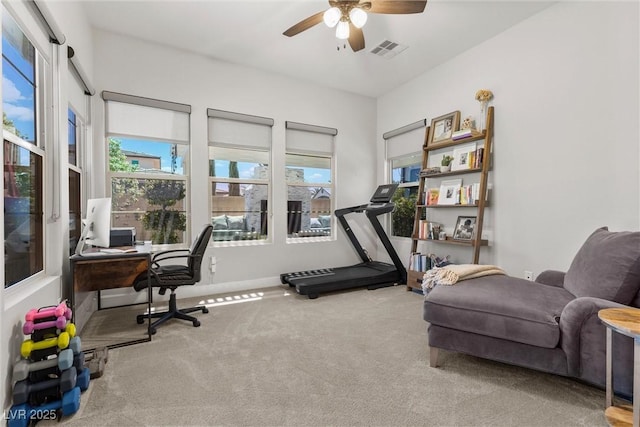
<point x="624" y="321"/>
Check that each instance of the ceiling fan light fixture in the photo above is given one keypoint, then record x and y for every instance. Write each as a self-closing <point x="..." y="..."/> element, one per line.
<point x="342" y="30"/>
<point x="358" y="17"/>
<point x="332" y="16"/>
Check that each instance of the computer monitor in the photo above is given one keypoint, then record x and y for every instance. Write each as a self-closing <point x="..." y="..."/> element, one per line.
<point x="96" y="229"/>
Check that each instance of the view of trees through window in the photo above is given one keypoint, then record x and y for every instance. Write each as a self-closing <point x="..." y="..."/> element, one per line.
<point x="148" y="189"/>
<point x="404" y="171"/>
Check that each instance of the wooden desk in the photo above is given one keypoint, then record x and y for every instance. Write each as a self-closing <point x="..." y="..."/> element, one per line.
<point x="624" y="321"/>
<point x="101" y="271"/>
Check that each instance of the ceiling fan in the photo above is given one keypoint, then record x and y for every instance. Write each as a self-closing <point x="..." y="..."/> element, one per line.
<point x="349" y="16"/>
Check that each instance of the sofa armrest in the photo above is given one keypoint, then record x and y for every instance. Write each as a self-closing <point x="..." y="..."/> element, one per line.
<point x="583" y="340"/>
<point x="551" y="278"/>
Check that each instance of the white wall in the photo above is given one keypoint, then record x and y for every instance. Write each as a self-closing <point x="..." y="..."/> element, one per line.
<point x="566" y="155"/>
<point x="140" y="68"/>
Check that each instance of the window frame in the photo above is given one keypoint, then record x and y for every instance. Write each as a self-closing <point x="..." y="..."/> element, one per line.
<point x="331" y="185"/>
<point x="401" y="186"/>
<point x="242" y="140"/>
<point x="164" y="106"/>
<point x="44" y="89"/>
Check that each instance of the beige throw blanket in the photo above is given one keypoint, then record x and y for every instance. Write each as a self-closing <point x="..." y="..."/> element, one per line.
<point x="453" y="273"/>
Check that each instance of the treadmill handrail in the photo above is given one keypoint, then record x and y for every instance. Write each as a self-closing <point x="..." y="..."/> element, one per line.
<point x="352" y="209"/>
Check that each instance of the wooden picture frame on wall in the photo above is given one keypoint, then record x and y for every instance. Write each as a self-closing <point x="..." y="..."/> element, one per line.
<point x="443" y="127"/>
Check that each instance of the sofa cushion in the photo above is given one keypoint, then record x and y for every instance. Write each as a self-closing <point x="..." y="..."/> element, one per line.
<point x="500" y="306"/>
<point x="220" y="222"/>
<point x="325" y="220"/>
<point x="607" y="266"/>
<point x="236" y="222"/>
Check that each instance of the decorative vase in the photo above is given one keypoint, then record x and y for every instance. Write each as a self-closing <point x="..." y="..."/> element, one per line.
<point x="445" y="168"/>
<point x="483" y="115"/>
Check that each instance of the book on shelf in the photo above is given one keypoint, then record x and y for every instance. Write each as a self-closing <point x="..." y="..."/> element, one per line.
<point x="469" y="194"/>
<point x="429" y="171"/>
<point x="428" y="229"/>
<point x="464" y="133"/>
<point x="419" y="262"/>
<point x="432" y="196"/>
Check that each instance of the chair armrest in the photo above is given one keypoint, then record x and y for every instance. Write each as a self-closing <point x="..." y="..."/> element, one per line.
<point x="583" y="340"/>
<point x="551" y="278"/>
<point x="165" y="255"/>
<point x="160" y="255"/>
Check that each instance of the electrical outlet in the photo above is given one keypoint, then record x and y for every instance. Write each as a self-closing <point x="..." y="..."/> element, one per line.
<point x="528" y="275"/>
<point x="213" y="264"/>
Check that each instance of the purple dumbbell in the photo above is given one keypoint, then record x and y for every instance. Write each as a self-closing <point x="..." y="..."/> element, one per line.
<point x="29" y="326"/>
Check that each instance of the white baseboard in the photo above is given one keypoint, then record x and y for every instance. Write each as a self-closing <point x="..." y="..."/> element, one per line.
<point x="124" y="296"/>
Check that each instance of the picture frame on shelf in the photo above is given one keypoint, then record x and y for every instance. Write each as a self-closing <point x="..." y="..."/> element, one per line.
<point x="465" y="228"/>
<point x="463" y="157"/>
<point x="449" y="193"/>
<point x="442" y="127"/>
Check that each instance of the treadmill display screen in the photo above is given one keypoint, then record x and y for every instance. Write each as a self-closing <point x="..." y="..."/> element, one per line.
<point x="384" y="193"/>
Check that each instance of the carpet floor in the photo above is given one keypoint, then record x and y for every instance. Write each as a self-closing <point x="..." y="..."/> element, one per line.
<point x="274" y="358"/>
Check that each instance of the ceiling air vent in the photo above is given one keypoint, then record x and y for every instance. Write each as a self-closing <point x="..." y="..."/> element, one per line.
<point x="388" y="49"/>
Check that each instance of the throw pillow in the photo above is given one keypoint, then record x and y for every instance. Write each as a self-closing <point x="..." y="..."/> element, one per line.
<point x="220" y="222"/>
<point x="607" y="266"/>
<point x="325" y="220"/>
<point x="236" y="222"/>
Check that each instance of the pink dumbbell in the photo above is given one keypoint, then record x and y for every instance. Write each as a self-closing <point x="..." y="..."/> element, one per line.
<point x="29" y="327"/>
<point x="44" y="313"/>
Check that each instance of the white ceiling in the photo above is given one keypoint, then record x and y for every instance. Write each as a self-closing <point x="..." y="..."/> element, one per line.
<point x="249" y="32"/>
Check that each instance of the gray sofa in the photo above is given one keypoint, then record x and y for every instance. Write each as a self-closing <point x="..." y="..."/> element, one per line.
<point x="551" y="324"/>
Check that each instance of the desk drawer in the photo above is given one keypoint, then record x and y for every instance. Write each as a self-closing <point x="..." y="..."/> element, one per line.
<point x="100" y="274"/>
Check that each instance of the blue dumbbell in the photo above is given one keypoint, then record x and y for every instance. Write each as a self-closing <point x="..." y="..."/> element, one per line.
<point x="21" y="415"/>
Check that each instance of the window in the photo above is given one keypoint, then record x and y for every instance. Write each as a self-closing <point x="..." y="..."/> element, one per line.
<point x="239" y="175"/>
<point x="148" y="142"/>
<point x="79" y="110"/>
<point x="405" y="163"/>
<point x="310" y="184"/>
<point x="75" y="183"/>
<point x="25" y="75"/>
<point x="405" y="171"/>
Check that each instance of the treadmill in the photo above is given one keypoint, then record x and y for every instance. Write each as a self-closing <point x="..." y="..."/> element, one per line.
<point x="369" y="273"/>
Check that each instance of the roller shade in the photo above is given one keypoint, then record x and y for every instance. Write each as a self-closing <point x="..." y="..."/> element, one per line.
<point x="309" y="138"/>
<point x="77" y="71"/>
<point x="139" y="117"/>
<point x="405" y="140"/>
<point x="239" y="130"/>
<point x="77" y="97"/>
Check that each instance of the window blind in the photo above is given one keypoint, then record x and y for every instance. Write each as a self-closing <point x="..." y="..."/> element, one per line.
<point x="306" y="138"/>
<point x="133" y="116"/>
<point x="239" y="130"/>
<point x="405" y="140"/>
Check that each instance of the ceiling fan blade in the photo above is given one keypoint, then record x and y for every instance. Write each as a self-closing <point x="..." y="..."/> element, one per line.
<point x="356" y="38"/>
<point x="397" y="7"/>
<point x="304" y="24"/>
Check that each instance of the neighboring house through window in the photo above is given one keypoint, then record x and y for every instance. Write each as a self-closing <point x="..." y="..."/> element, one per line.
<point x="26" y="78"/>
<point x="148" y="144"/>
